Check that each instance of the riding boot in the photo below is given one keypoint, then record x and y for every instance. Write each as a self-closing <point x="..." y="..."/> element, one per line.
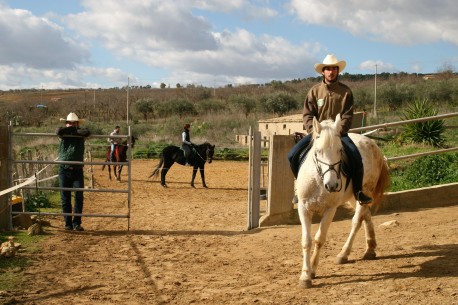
<point x="356" y="169"/>
<point x="298" y="152"/>
<point x="358" y="187"/>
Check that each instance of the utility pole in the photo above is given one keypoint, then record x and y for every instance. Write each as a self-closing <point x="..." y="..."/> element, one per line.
<point x="127" y="101"/>
<point x="375" y="92"/>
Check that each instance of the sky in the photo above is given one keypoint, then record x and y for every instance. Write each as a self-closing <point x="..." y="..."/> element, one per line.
<point x="49" y="44"/>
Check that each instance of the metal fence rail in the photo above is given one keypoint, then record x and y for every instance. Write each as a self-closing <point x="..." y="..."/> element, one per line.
<point x="37" y="187"/>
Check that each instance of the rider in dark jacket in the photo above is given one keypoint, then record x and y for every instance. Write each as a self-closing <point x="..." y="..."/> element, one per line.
<point x="186" y="143"/>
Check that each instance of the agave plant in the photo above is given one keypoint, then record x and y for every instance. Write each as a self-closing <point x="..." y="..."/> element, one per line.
<point x="429" y="132"/>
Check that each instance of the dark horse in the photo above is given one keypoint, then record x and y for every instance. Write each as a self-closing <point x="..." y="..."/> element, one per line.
<point x="120" y="155"/>
<point x="171" y="154"/>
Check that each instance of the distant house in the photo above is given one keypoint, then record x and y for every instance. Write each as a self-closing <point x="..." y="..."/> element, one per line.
<point x="290" y="124"/>
<point x="294" y="123"/>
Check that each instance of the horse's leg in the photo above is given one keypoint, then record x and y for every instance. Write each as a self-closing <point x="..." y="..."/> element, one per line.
<point x="109" y="171"/>
<point x="119" y="172"/>
<point x="202" y="175"/>
<point x="164" y="171"/>
<point x="360" y="214"/>
<point x="305" y="280"/>
<point x="371" y="243"/>
<point x="194" y="172"/>
<point x="320" y="237"/>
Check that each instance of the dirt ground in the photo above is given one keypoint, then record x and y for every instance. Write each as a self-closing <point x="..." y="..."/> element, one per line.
<point x="191" y="246"/>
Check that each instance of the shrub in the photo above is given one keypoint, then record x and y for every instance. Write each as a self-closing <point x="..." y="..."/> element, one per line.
<point x="279" y="103"/>
<point x="433" y="169"/>
<point x="429" y="132"/>
<point x="37" y="201"/>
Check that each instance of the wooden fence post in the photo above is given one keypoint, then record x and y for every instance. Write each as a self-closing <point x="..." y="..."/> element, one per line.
<point x="4" y="177"/>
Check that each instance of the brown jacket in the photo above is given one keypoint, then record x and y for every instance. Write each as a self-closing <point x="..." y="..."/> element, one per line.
<point x="325" y="102"/>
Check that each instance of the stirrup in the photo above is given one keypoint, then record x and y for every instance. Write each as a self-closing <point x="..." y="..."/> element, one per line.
<point x="362" y="198"/>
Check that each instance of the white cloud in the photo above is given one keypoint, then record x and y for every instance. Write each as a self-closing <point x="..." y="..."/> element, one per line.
<point x="16" y="76"/>
<point x="405" y="22"/>
<point x="370" y="65"/>
<point x="127" y="26"/>
<point x="36" y="42"/>
<point x="168" y="35"/>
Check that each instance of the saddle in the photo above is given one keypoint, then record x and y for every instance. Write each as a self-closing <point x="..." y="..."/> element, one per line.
<point x="191" y="154"/>
<point x="347" y="168"/>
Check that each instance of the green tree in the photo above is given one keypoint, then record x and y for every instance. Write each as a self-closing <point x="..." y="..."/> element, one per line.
<point x="145" y="106"/>
<point x="279" y="103"/>
<point x="243" y="103"/>
<point x="182" y="107"/>
<point x="395" y="94"/>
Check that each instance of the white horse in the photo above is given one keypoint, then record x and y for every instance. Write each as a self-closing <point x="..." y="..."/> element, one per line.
<point x="321" y="189"/>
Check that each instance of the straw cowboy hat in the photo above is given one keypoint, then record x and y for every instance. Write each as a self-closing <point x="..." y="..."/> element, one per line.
<point x="330" y="61"/>
<point x="72" y="117"/>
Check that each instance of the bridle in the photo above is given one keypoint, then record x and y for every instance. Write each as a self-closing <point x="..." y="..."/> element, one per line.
<point x="331" y="167"/>
<point x="207" y="153"/>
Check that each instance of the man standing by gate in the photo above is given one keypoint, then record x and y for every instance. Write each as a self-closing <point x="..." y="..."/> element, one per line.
<point x="71" y="148"/>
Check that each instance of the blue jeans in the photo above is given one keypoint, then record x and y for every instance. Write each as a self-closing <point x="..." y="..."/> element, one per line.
<point x="71" y="178"/>
<point x="354" y="170"/>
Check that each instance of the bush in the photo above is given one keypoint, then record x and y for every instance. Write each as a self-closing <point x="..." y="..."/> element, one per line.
<point x="433" y="169"/>
<point x="37" y="201"/>
<point x="279" y="103"/>
<point x="429" y="132"/>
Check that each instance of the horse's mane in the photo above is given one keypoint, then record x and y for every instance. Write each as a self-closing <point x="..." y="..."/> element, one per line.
<point x="327" y="135"/>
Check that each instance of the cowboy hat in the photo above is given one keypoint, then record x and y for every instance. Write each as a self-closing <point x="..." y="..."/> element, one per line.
<point x="330" y="61"/>
<point x="72" y="117"/>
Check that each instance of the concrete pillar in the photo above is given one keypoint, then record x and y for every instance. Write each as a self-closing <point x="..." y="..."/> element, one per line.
<point x="281" y="183"/>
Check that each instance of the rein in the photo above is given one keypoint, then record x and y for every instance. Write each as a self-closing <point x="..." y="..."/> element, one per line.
<point x="197" y="152"/>
<point x="331" y="167"/>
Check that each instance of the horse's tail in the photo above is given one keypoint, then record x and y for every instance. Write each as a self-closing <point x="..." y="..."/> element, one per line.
<point x="158" y="167"/>
<point x="382" y="184"/>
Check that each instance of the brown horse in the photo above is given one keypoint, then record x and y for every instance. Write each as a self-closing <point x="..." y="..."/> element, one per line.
<point x="119" y="156"/>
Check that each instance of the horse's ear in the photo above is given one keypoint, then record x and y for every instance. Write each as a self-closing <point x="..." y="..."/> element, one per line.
<point x="338" y="124"/>
<point x="316" y="126"/>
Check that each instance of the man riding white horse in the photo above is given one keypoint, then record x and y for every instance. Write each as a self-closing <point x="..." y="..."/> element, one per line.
<point x="324" y="101"/>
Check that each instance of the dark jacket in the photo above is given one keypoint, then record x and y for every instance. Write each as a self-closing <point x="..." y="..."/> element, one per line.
<point x="71" y="146"/>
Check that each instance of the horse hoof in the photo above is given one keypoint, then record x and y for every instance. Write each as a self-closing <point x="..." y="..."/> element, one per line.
<point x="340" y="260"/>
<point x="313" y="275"/>
<point x="369" y="256"/>
<point x="305" y="284"/>
<point x="205" y="186"/>
<point x="164" y="185"/>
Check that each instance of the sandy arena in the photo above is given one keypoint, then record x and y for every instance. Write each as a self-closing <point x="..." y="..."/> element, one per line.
<point x="191" y="246"/>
